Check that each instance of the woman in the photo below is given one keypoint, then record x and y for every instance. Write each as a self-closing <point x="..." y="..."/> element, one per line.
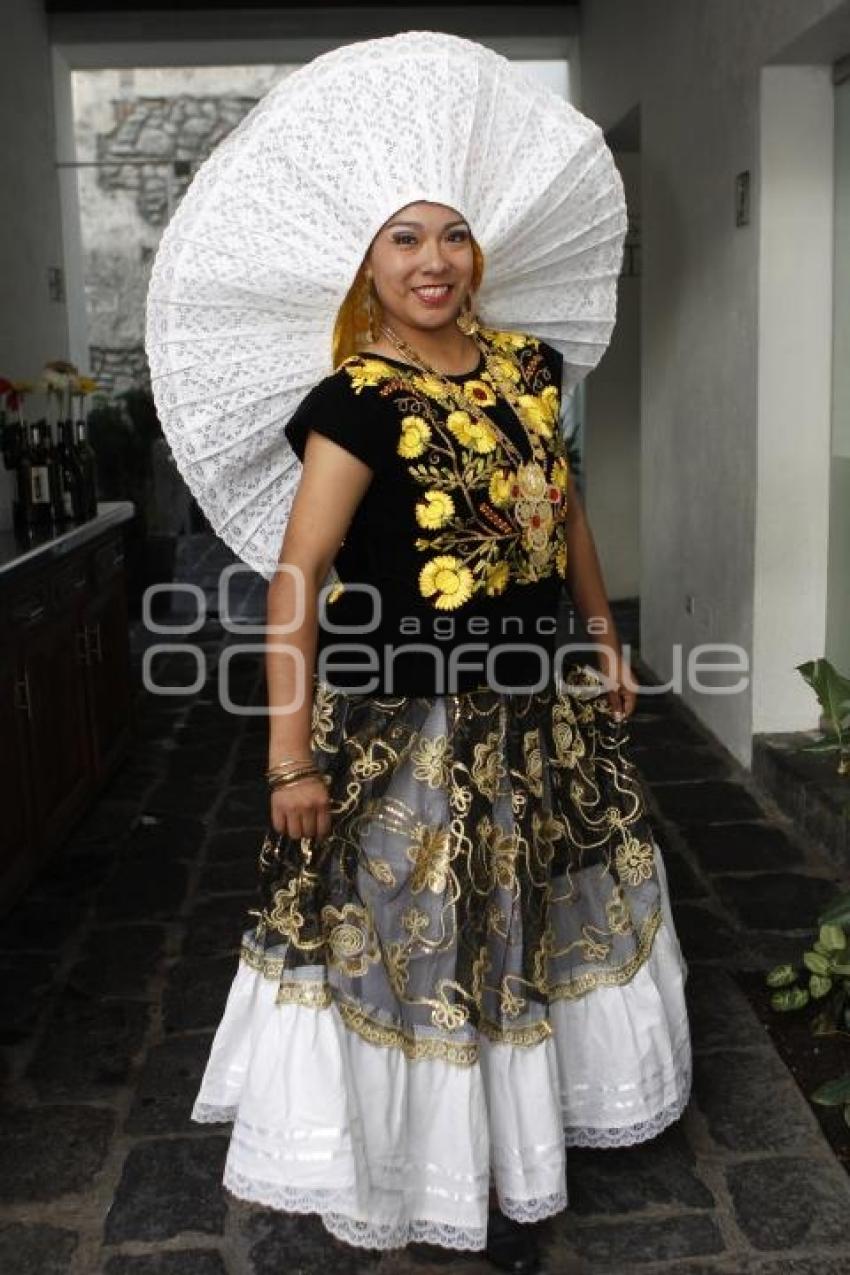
<point x="465" y="959"/>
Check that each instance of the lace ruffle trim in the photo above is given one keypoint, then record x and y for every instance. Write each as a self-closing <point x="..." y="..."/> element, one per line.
<point x="642" y="1130"/>
<point x="352" y="1230"/>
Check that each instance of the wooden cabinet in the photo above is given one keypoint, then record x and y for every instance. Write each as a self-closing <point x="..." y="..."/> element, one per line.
<point x="66" y="701"/>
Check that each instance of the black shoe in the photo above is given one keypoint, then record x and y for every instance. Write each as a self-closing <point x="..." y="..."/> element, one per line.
<point x="512" y="1246"/>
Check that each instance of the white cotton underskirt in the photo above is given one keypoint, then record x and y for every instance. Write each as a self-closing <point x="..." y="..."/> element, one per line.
<point x="390" y="1150"/>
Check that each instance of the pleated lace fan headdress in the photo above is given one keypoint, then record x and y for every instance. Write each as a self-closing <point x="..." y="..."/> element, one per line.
<point x="254" y="265"/>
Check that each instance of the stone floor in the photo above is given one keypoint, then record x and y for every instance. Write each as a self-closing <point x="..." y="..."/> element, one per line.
<point x="117" y="962"/>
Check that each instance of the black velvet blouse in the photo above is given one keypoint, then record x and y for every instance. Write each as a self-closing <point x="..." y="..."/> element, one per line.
<point x="453" y="565"/>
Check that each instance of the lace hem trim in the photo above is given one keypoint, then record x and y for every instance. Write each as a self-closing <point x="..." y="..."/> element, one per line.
<point x="642" y="1130"/>
<point x="351" y="1230"/>
<point x="534" y="1210"/>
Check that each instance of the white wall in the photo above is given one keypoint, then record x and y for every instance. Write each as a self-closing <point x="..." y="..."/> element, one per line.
<point x="33" y="329"/>
<point x="794" y="391"/>
<point x="694" y="70"/>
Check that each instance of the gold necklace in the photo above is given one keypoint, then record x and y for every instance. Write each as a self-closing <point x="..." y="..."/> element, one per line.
<point x="467" y="404"/>
<point x="530" y="495"/>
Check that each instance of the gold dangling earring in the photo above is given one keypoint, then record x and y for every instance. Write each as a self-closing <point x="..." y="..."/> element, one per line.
<point x="467" y="320"/>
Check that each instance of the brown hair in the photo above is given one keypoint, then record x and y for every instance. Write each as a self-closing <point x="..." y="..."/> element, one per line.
<point x="351" y="327"/>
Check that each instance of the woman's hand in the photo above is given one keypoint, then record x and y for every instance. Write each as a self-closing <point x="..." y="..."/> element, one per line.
<point x="622" y="698"/>
<point x="302" y="809"/>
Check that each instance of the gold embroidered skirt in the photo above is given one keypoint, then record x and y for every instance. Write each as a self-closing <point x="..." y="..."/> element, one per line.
<point x="477" y="968"/>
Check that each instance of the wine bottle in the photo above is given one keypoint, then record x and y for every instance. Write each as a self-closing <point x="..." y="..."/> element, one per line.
<point x="54" y="475"/>
<point x="73" y="501"/>
<point x="86" y="462"/>
<point x="41" y="513"/>
<point x="22" y="465"/>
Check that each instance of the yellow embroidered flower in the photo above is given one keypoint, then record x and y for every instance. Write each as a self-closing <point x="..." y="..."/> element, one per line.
<point x="551" y="398"/>
<point x="506" y="367"/>
<point x="469" y="433"/>
<point x="448" y="579"/>
<point x="459" y="423"/>
<point x="430" y="386"/>
<point x="415" y="435"/>
<point x="368" y="372"/>
<point x="508" y="340"/>
<point x="435" y="509"/>
<point x="497" y="578"/>
<point x="500" y="487"/>
<point x="560" y="473"/>
<point x="480" y="392"/>
<point x="537" y="411"/>
<point x="561" y="559"/>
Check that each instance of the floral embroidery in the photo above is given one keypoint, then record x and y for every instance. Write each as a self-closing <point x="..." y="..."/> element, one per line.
<point x="352" y="943"/>
<point x="489" y="522"/>
<point x="635" y="861"/>
<point x="430" y="760"/>
<point x="447" y="580"/>
<point x="430" y="856"/>
<point x="435" y="509"/>
<point x="491" y="891"/>
<point x="415" y="433"/>
<point x="488" y="768"/>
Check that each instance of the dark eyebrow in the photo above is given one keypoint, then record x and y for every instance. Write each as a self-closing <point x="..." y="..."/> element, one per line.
<point x="418" y="224"/>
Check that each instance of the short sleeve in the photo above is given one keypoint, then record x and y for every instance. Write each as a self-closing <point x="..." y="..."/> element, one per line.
<point x="352" y="421"/>
<point x="554" y="361"/>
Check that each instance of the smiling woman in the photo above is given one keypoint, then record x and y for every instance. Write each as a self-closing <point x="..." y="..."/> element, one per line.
<point x="418" y="275"/>
<point x="463" y="960"/>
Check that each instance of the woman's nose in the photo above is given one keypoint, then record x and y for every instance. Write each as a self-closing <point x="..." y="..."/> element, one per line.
<point x="434" y="259"/>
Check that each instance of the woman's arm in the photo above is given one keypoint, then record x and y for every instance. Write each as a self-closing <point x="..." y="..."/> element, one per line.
<point x="333" y="483"/>
<point x="584" y="580"/>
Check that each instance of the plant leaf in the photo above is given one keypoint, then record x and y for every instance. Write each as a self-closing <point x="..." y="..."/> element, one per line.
<point x="789" y="998"/>
<point x="816" y="963"/>
<point x="833" y="1092"/>
<point x="832" y="690"/>
<point x="833" y="938"/>
<point x="781" y="976"/>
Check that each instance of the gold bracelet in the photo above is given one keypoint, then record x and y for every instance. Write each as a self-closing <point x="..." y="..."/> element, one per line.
<point x="283" y="767"/>
<point x="286" y="783"/>
<point x="307" y="773"/>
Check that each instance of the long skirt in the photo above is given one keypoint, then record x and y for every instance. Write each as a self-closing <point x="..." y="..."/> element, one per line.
<point x="476" y="969"/>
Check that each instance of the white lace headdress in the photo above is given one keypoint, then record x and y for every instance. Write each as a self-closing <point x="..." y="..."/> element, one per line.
<point x="265" y="244"/>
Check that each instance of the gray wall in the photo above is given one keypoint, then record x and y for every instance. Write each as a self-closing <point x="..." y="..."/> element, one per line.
<point x="33" y="329"/>
<point x="694" y="70"/>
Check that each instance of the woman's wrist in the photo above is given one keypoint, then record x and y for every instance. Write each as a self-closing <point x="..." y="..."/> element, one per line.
<point x="288" y="752"/>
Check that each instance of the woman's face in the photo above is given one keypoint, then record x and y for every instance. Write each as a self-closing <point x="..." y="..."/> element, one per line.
<point x="422" y="263"/>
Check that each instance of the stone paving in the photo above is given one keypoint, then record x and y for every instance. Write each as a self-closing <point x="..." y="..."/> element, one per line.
<point x="117" y="962"/>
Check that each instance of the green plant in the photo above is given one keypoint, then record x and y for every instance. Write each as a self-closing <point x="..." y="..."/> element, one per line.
<point x="828" y="965"/>
<point x="833" y="692"/>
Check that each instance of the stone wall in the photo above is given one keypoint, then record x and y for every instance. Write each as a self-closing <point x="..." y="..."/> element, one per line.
<point x="140" y="137"/>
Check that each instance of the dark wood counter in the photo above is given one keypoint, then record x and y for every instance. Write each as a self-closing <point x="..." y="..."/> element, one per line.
<point x="65" y="698"/>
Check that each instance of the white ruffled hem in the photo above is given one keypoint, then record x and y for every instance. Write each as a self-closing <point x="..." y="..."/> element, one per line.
<point x="389" y="1151"/>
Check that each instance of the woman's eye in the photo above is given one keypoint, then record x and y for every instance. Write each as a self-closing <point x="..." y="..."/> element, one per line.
<point x="404" y="239"/>
<point x="460" y="235"/>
